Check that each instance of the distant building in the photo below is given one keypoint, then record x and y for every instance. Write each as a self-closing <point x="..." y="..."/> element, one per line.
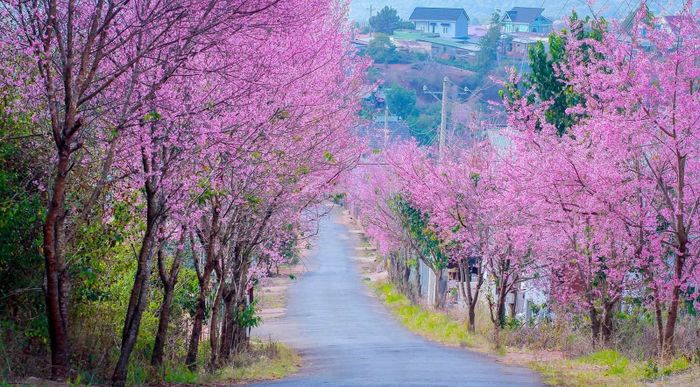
<point x="435" y="46"/>
<point x="466" y="52"/>
<point x="450" y="23"/>
<point x="517" y="45"/>
<point x="525" y="19"/>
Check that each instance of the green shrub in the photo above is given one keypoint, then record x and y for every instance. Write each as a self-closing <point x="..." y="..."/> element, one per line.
<point x="677" y="365"/>
<point x="180" y="375"/>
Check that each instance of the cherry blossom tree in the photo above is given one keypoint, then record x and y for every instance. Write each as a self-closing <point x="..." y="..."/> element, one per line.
<point x="135" y="89"/>
<point x="642" y="98"/>
<point x="89" y="58"/>
<point x="618" y="185"/>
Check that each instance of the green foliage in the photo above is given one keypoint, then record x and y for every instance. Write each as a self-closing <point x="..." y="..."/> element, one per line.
<point x="386" y="21"/>
<point x="489" y="45"/>
<point x="654" y="371"/>
<point x="180" y="375"/>
<point x="401" y="101"/>
<point x="424" y="125"/>
<point x="328" y="156"/>
<point x="338" y="198"/>
<point x="545" y="78"/>
<point x="23" y="325"/>
<point x="425" y="240"/>
<point x="152" y="116"/>
<point x="382" y="50"/>
<point x="246" y="317"/>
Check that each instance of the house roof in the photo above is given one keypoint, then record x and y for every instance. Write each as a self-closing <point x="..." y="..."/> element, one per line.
<point x="524" y="14"/>
<point x="440" y="14"/>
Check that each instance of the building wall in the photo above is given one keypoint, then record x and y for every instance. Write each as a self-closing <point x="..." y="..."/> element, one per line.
<point x="541" y="26"/>
<point x="462" y="27"/>
<point x="515" y="27"/>
<point x="422" y="26"/>
<point x="446" y="29"/>
<point x="443" y="28"/>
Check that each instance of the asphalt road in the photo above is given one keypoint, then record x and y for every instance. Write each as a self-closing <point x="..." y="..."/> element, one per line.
<point x="347" y="337"/>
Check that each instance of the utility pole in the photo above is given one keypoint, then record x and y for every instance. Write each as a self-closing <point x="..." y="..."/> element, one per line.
<point x="443" y="116"/>
<point x="444" y="98"/>
<point x="369" y="21"/>
<point x="443" y="119"/>
<point x="386" y="124"/>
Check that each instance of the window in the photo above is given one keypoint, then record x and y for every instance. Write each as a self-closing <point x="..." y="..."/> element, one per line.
<point x="445" y="27"/>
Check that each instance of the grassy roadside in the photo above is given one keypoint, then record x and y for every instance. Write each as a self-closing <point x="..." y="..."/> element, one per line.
<point x="606" y="367"/>
<point x="266" y="360"/>
<point x="435" y="326"/>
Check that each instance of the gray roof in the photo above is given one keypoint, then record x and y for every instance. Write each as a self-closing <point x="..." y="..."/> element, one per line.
<point x="524" y="14"/>
<point x="439" y="14"/>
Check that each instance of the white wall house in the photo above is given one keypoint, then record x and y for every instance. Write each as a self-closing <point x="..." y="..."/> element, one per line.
<point x="449" y="23"/>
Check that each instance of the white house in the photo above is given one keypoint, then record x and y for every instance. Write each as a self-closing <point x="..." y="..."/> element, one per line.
<point x="449" y="23"/>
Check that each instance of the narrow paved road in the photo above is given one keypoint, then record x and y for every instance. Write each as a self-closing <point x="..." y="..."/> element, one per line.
<point x="347" y="338"/>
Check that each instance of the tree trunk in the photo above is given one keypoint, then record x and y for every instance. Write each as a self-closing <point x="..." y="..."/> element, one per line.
<point x="472" y="318"/>
<point x="228" y="326"/>
<point x="240" y="339"/>
<point x="659" y="322"/>
<point x="501" y="310"/>
<point x="200" y="309"/>
<point x="595" y="326"/>
<point x="465" y="289"/>
<point x="57" y="281"/>
<point x="139" y="294"/>
<point x="607" y="324"/>
<point x="675" y="300"/>
<point x="169" y="282"/>
<point x="164" y="320"/>
<point x="214" y="326"/>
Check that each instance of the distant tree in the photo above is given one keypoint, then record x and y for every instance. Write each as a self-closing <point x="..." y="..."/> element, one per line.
<point x="547" y="82"/>
<point x="386" y="21"/>
<point x="424" y="125"/>
<point x="489" y="44"/>
<point x="382" y="50"/>
<point x="407" y="25"/>
<point x="401" y="101"/>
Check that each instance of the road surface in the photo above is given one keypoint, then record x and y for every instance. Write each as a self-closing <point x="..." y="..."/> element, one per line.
<point x="348" y="338"/>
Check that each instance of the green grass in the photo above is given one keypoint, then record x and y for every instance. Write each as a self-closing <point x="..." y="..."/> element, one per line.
<point x="613" y="362"/>
<point x="433" y="325"/>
